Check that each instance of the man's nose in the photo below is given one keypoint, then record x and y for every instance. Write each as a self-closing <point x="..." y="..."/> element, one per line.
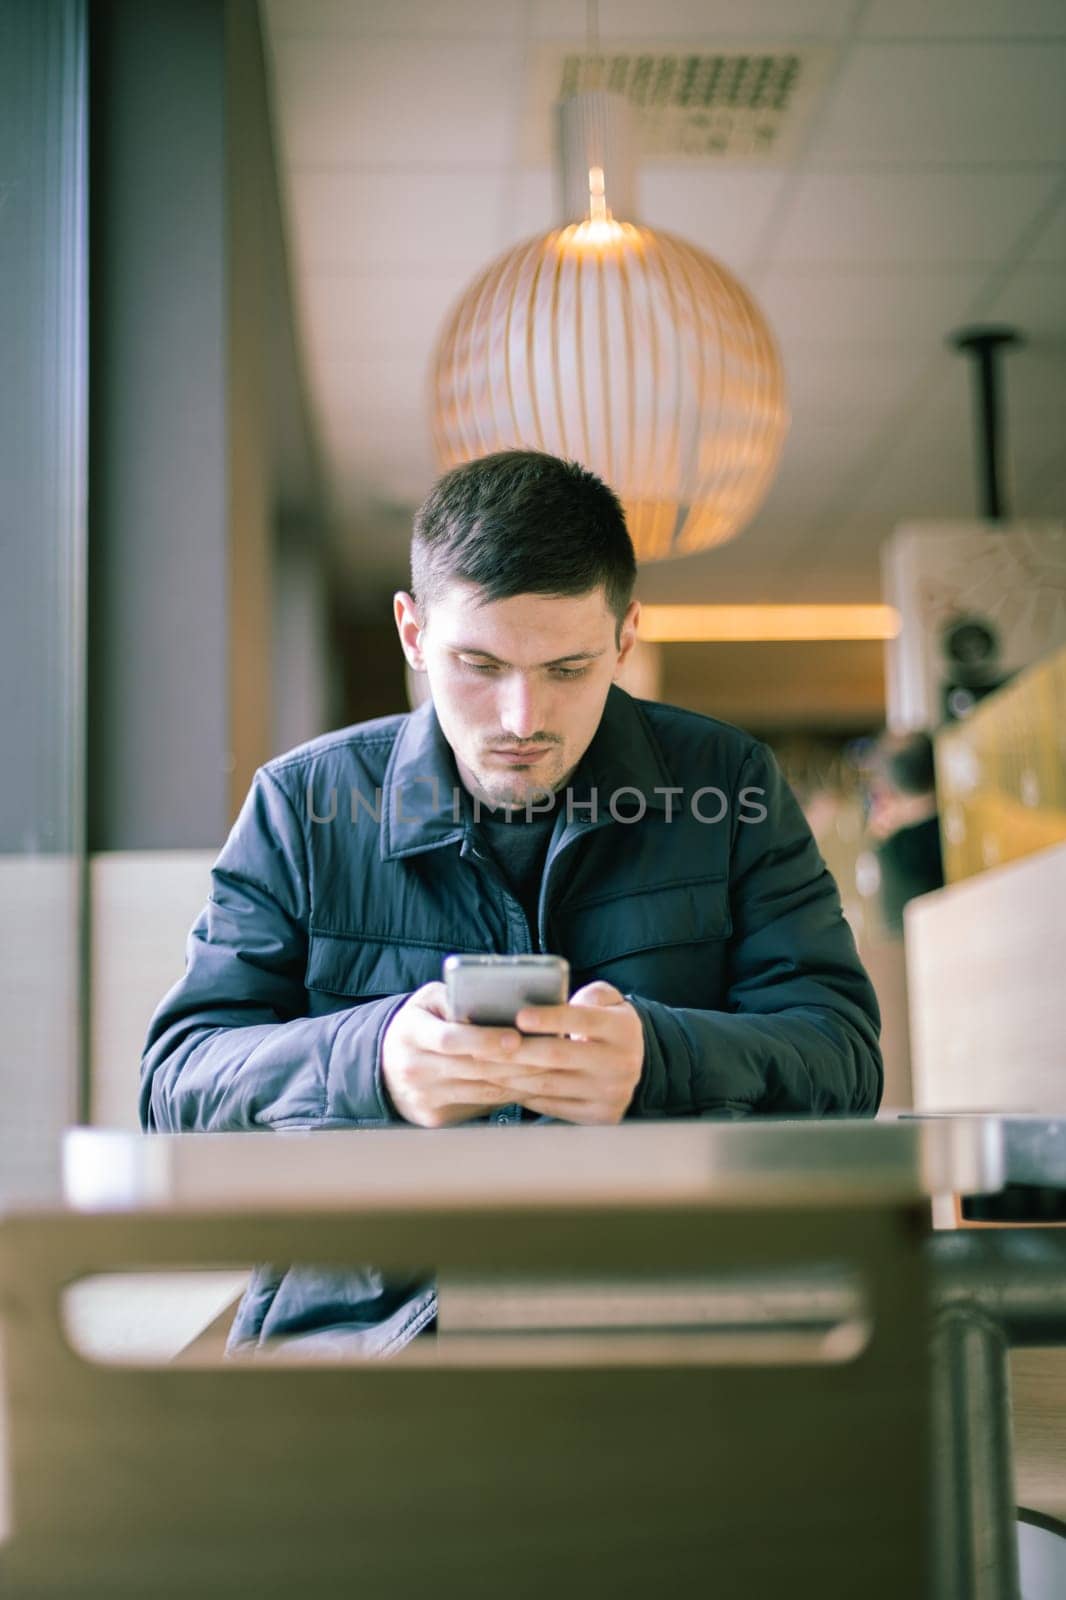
<point x="519" y="707"/>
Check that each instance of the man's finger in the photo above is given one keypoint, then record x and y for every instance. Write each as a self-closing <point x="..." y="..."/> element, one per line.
<point x="587" y="1021"/>
<point x="424" y="1067"/>
<point x="548" y="1083"/>
<point x="540" y="1052"/>
<point x="462" y="1038"/>
<point x="474" y="1091"/>
<point x="432" y="997"/>
<point x="597" y="993"/>
<point x="462" y="1071"/>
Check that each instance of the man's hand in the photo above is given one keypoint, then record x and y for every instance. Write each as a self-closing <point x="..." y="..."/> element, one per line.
<point x="439" y="1072"/>
<point x="590" y="1070"/>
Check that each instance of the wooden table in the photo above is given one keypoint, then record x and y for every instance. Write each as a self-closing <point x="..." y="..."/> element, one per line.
<point x="782" y="1442"/>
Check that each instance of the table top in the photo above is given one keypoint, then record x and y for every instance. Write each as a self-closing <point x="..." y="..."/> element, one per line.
<point x="684" y="1163"/>
<point x="1034" y="1143"/>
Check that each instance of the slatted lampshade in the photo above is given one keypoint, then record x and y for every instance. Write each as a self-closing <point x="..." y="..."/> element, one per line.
<point x="621" y="347"/>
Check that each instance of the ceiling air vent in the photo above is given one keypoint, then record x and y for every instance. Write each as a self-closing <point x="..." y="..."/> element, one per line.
<point x="691" y="104"/>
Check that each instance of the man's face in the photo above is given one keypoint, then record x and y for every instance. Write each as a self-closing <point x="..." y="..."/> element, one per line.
<point x="519" y="685"/>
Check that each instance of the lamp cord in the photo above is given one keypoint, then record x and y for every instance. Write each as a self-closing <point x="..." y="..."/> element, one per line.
<point x="592" y="44"/>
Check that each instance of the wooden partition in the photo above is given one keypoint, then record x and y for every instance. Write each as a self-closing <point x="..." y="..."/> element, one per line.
<point x="1001" y="773"/>
<point x="985" y="975"/>
<point x="142" y="905"/>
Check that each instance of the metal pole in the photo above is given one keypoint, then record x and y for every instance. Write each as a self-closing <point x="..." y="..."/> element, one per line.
<point x="983" y="344"/>
<point x="976" y="1552"/>
<point x="991" y="1290"/>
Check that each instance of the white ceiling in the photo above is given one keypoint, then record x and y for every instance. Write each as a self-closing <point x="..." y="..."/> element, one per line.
<point x="929" y="192"/>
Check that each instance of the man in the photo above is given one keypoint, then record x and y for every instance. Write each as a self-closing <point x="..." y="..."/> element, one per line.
<point x="658" y="850"/>
<point x="904" y="822"/>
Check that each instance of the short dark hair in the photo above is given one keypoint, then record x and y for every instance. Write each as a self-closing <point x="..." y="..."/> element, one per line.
<point x="522" y="522"/>
<point x="908" y="762"/>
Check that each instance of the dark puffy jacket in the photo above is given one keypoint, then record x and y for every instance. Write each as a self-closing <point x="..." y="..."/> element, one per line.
<point x="682" y="872"/>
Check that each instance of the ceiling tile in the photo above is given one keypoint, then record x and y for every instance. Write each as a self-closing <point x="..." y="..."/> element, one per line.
<point x="794" y="503"/>
<point x="1032" y="403"/>
<point x="844" y="540"/>
<point x="396" y="102"/>
<point x="849" y="574"/>
<point x="409" y="221"/>
<point x="723" y="213"/>
<point x="375" y="388"/>
<point x="1050" y="246"/>
<point x="921" y="479"/>
<point x="915" y="218"/>
<point x="531" y="202"/>
<point x="1035" y="486"/>
<point x="740" y="571"/>
<point x="970" y="104"/>
<point x="377" y="312"/>
<point x="691" y="20"/>
<point x="1035" y="392"/>
<point x="855" y="306"/>
<point x="768" y="584"/>
<point x="845" y="385"/>
<point x="479" y="19"/>
<point x="920" y="462"/>
<point x="696" y="578"/>
<point x="365" y="447"/>
<point x="815" y="460"/>
<point x="1034" y="302"/>
<point x="964" y="19"/>
<point x="928" y="466"/>
<point x="825" y="450"/>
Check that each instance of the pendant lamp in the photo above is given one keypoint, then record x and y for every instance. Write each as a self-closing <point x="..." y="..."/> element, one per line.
<point x="621" y="347"/>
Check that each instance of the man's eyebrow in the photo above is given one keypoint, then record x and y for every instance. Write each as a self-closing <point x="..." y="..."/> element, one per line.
<point x="559" y="661"/>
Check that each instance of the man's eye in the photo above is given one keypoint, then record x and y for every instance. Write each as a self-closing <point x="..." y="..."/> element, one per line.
<point x="491" y="666"/>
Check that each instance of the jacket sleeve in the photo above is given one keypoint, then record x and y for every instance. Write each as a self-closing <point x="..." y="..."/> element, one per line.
<point x="799" y="1034"/>
<point x="231" y="1046"/>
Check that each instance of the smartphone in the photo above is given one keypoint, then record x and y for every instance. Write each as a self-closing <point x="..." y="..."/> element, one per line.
<point x="493" y="989"/>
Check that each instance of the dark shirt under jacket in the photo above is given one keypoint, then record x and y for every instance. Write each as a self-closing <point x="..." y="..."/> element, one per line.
<point x="518" y="842"/>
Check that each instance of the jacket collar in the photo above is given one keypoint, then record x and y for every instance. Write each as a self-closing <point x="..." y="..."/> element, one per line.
<point x="422" y="797"/>
<point x="623" y="757"/>
<point x="425" y="805"/>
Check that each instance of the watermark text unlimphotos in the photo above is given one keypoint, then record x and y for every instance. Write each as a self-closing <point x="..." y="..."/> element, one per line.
<point x="420" y="798"/>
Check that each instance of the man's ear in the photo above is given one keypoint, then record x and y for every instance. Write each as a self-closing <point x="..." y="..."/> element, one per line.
<point x="409" y="627"/>
<point x="627" y="635"/>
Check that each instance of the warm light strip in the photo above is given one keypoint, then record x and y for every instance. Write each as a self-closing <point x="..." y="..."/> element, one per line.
<point x="749" y="624"/>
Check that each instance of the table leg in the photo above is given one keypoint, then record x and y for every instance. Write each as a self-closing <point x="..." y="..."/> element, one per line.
<point x="976" y="1556"/>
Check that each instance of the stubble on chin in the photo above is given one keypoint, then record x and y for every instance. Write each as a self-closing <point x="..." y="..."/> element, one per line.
<point x="508" y="795"/>
<point x="494" y="789"/>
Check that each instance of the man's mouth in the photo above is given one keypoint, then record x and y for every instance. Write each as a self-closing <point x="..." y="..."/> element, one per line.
<point x="522" y="757"/>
